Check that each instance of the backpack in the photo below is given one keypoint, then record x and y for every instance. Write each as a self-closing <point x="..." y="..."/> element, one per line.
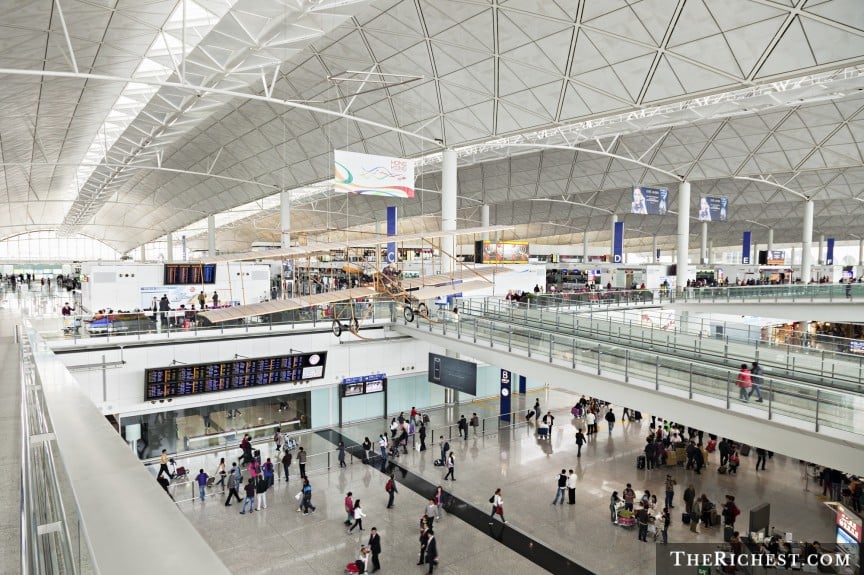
<point x="735" y="511"/>
<point x="389" y="486"/>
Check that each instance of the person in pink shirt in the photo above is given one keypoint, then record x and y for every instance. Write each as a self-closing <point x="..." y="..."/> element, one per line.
<point x="744" y="383"/>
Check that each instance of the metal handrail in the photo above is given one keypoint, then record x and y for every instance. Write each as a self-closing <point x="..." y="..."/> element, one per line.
<point x="831" y="409"/>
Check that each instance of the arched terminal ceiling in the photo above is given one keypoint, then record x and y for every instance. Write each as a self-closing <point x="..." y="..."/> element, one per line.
<point x="465" y="71"/>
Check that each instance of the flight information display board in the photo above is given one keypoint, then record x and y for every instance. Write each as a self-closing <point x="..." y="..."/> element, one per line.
<point x="193" y="379"/>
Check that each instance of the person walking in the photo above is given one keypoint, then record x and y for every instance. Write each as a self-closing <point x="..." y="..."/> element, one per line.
<point x="341" y="454"/>
<point x="665" y="519"/>
<point x="439" y="501"/>
<point x="390" y="488"/>
<point x="424" y="540"/>
<point x="307" y="498"/>
<point x="201" y="478"/>
<point x="349" y="508"/>
<point x="232" y="486"/>
<point x="261" y="488"/>
<point x="580" y="441"/>
<point x="422" y="433"/>
<point x="163" y="464"/>
<point x="286" y="463"/>
<point x="267" y="472"/>
<point x="430" y="513"/>
<point x="610" y="419"/>
<point x="301" y="461"/>
<point x="549" y="420"/>
<point x="744" y="383"/>
<point x="374" y="548"/>
<point x="462" y="425"/>
<point x="451" y="465"/>
<point x="497" y="506"/>
<point x="382" y="445"/>
<point x="761" y="458"/>
<point x="432" y="551"/>
<point x="537" y="409"/>
<point x="220" y="471"/>
<point x="358" y="517"/>
<point x="670" y="491"/>
<point x="756" y="378"/>
<point x="614" y="501"/>
<point x="445" y="448"/>
<point x="367" y="450"/>
<point x="571" y="487"/>
<point x="475" y="422"/>
<point x="250" y="497"/>
<point x="591" y="422"/>
<point x="562" y="487"/>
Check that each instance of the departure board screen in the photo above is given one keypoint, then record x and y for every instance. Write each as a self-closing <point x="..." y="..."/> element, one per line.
<point x="193" y="379"/>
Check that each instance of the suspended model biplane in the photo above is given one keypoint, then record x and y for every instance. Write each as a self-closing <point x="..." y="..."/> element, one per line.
<point x="410" y="294"/>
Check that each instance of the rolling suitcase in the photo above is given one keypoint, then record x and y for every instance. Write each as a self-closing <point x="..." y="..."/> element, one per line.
<point x="728" y="530"/>
<point x="438" y="463"/>
<point x="685" y="518"/>
<point x="529" y="415"/>
<point x="721" y="470"/>
<point x="640" y="462"/>
<point x="745" y="450"/>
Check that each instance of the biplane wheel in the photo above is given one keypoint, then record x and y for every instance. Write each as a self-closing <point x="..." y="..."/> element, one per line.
<point x="409" y="314"/>
<point x="423" y="310"/>
<point x="337" y="328"/>
<point x="354" y="326"/>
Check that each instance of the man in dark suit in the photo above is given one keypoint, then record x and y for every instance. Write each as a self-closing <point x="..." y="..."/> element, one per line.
<point x="432" y="551"/>
<point x="375" y="548"/>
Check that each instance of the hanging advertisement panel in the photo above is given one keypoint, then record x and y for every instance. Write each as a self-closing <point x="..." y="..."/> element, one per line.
<point x="712" y="208"/>
<point x="355" y="173"/>
<point x="489" y="252"/>
<point x="650" y="201"/>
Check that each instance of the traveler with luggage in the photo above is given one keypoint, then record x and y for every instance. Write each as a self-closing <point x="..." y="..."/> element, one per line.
<point x="497" y="506"/>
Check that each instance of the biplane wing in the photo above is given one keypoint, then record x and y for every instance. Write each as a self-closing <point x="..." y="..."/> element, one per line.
<point x="434" y="292"/>
<point x="323" y="247"/>
<point x="279" y="305"/>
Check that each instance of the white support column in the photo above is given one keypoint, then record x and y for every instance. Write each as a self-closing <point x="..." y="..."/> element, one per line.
<point x="448" y="208"/>
<point x="143" y="253"/>
<point x="612" y="238"/>
<point x="821" y="259"/>
<point x="211" y="235"/>
<point x="807" y="242"/>
<point x="711" y="252"/>
<point x="285" y="218"/>
<point x="585" y="247"/>
<point x="484" y="220"/>
<point x="861" y="252"/>
<point x="654" y="257"/>
<point x="683" y="234"/>
<point x="770" y="239"/>
<point x="703" y="247"/>
<point x="754" y="257"/>
<point x="169" y="247"/>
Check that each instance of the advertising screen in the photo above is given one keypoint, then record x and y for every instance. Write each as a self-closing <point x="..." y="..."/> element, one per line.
<point x="856" y="346"/>
<point x="489" y="252"/>
<point x="712" y="208"/>
<point x="185" y="274"/>
<point x="649" y="201"/>
<point x="454" y="373"/>
<point x="194" y="379"/>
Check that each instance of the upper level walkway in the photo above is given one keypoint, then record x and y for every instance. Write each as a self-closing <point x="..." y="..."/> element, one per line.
<point x="669" y="334"/>
<point x="821" y="425"/>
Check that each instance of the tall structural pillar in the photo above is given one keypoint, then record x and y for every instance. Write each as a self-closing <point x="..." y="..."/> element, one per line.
<point x="703" y="247"/>
<point x="860" y="252"/>
<point x="448" y="209"/>
<point x="612" y="238"/>
<point x="807" y="242"/>
<point x="143" y="254"/>
<point x="711" y="252"/>
<point x="683" y="234"/>
<point x="585" y="246"/>
<point x="285" y="218"/>
<point x="211" y="235"/>
<point x="484" y="220"/>
<point x="770" y="247"/>
<point x="169" y="247"/>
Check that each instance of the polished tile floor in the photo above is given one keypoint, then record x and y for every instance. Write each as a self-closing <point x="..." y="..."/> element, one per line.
<point x="525" y="469"/>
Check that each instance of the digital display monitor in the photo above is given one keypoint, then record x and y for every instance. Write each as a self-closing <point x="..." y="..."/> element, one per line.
<point x="194" y="379"/>
<point x="375" y="386"/>
<point x="454" y="373"/>
<point x="649" y="201"/>
<point x="856" y="346"/>
<point x="363" y="384"/>
<point x="489" y="252"/>
<point x="712" y="208"/>
<point x="185" y="274"/>
<point x="352" y="389"/>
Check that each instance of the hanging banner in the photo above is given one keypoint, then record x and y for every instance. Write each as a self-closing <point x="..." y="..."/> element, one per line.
<point x="712" y="208"/>
<point x="392" y="255"/>
<point x="506" y="382"/>
<point x="373" y="175"/>
<point x="745" y="249"/>
<point x="829" y="253"/>
<point x="649" y="201"/>
<point x="618" y="243"/>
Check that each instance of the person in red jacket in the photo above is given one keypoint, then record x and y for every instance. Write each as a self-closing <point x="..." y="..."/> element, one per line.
<point x="744" y="383"/>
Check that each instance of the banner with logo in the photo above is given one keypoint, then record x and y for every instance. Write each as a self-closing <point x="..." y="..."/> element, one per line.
<point x="618" y="243"/>
<point x="355" y="173"/>
<point x="506" y="389"/>
<point x="745" y="249"/>
<point x="392" y="255"/>
<point x="829" y="252"/>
